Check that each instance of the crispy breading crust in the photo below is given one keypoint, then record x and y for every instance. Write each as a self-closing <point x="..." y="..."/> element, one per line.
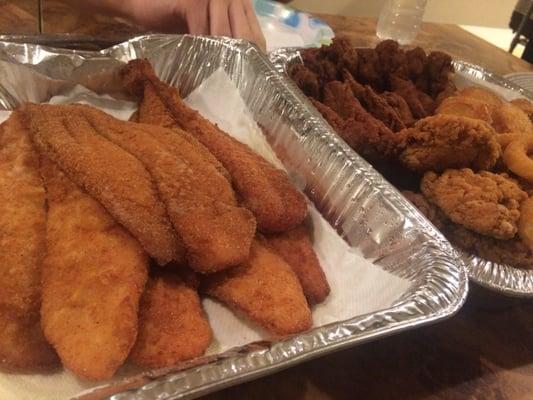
<point x="486" y="203"/>
<point x="263" y="189"/>
<point x="93" y="276"/>
<point x="108" y="173"/>
<point x="265" y="289"/>
<point x="23" y="346"/>
<point x="172" y="323"/>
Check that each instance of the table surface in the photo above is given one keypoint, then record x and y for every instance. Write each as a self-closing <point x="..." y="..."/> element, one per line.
<point x="484" y="352"/>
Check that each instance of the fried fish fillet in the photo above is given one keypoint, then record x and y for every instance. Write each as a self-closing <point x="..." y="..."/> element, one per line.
<point x="296" y="249"/>
<point x="172" y="323"/>
<point x="265" y="289"/>
<point x="22" y="247"/>
<point x="108" y="173"/>
<point x="262" y="188"/>
<point x="94" y="273"/>
<point x="200" y="202"/>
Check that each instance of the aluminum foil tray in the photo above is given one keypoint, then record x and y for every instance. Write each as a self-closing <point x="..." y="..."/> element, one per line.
<point x="501" y="278"/>
<point x="365" y="209"/>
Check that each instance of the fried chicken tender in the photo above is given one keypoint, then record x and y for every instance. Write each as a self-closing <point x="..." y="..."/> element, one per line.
<point x="265" y="289"/>
<point x="399" y="105"/>
<point x="296" y="248"/>
<point x="485" y="202"/>
<point x="93" y="276"/>
<point x="419" y="103"/>
<point x="305" y="79"/>
<point x="525" y="105"/>
<point x="465" y="107"/>
<point x="448" y="141"/>
<point x="369" y="71"/>
<point x="200" y="202"/>
<point x="509" y="118"/>
<point x="266" y="191"/>
<point x="392" y="59"/>
<point x="172" y="324"/>
<point x="108" y="173"/>
<point x="23" y="346"/>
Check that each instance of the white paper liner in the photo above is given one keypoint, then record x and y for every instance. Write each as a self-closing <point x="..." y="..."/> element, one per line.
<point x="357" y="286"/>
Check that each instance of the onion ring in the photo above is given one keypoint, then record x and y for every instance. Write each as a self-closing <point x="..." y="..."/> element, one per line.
<point x="516" y="159"/>
<point x="525" y="223"/>
<point x="505" y="138"/>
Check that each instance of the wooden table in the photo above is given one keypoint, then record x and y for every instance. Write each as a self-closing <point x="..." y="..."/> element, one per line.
<point x="485" y="352"/>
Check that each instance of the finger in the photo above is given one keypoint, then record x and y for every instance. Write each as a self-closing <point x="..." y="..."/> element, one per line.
<point x="255" y="27"/>
<point x="198" y="18"/>
<point x="240" y="27"/>
<point x="219" y="24"/>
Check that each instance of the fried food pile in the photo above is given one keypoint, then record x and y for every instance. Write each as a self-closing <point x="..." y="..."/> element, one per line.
<point x="112" y="231"/>
<point x="460" y="156"/>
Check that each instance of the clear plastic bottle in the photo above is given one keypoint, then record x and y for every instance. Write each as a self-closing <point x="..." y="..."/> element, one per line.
<point x="400" y="20"/>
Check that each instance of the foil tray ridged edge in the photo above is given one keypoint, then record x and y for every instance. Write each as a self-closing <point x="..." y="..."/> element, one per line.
<point x="438" y="278"/>
<point x="502" y="278"/>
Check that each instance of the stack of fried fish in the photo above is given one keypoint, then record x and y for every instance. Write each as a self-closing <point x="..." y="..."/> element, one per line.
<point x="111" y="230"/>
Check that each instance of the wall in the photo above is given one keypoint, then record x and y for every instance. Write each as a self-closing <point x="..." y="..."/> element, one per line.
<point x="494" y="13"/>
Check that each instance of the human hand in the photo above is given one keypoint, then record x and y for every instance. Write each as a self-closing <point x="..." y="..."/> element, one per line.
<point x="234" y="18"/>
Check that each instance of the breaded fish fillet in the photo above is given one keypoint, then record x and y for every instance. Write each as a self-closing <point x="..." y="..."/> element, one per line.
<point x="262" y="188"/>
<point x="109" y="174"/>
<point x="265" y="289"/>
<point x="200" y="202"/>
<point x="22" y="247"/>
<point x="172" y="323"/>
<point x="93" y="277"/>
<point x="296" y="249"/>
<point x="152" y="111"/>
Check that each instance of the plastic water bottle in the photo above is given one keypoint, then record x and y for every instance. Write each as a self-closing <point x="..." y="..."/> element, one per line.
<point x="400" y="20"/>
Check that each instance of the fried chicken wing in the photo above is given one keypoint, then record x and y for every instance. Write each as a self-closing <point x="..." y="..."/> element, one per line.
<point x="296" y="248"/>
<point x="108" y="173"/>
<point x="93" y="276"/>
<point x="23" y="346"/>
<point x="200" y="202"/>
<point x="172" y="324"/>
<point x="266" y="191"/>
<point x="265" y="289"/>
<point x="448" y="141"/>
<point x="485" y="202"/>
<point x="376" y="105"/>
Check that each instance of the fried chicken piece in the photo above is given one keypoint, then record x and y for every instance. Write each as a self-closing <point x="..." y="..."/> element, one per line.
<point x="416" y="62"/>
<point x="465" y="107"/>
<point x="342" y="54"/>
<point x="266" y="191"/>
<point x="439" y="69"/>
<point x="108" y="173"/>
<point x="200" y="202"/>
<point x="364" y="138"/>
<point x="23" y="346"/>
<point x="399" y="105"/>
<point x="373" y="103"/>
<point x="509" y="118"/>
<point x="392" y="59"/>
<point x="265" y="289"/>
<point x="419" y="103"/>
<point x="485" y="95"/>
<point x="325" y="69"/>
<point x="448" y="141"/>
<point x="430" y="211"/>
<point x="305" y="79"/>
<point x="512" y="252"/>
<point x="93" y="276"/>
<point x="485" y="202"/>
<point x="369" y="69"/>
<point x="525" y="105"/>
<point x="152" y="111"/>
<point x="172" y="324"/>
<point x="296" y="248"/>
